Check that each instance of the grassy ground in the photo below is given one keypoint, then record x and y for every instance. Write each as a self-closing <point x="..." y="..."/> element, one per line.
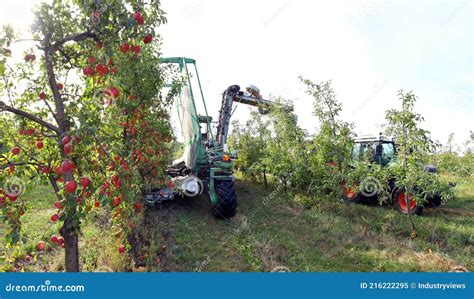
<point x="279" y="236"/>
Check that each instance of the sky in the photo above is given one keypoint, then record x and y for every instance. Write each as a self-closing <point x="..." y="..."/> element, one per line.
<point x="369" y="49"/>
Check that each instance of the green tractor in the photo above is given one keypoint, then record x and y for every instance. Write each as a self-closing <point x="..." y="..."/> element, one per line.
<point x="383" y="151"/>
<point x="206" y="165"/>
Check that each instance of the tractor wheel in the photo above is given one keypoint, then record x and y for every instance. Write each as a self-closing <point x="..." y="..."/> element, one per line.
<point x="227" y="199"/>
<point x="350" y="194"/>
<point x="400" y="204"/>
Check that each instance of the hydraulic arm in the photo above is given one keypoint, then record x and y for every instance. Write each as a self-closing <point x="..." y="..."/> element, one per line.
<point x="233" y="94"/>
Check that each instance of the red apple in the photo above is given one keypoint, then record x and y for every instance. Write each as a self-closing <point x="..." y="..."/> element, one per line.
<point x="66" y="140"/>
<point x="40" y="245"/>
<point x="121" y="249"/>
<point x="124" y="48"/>
<point x="139" y="18"/>
<point x="97" y="204"/>
<point x="136" y="49"/>
<point x="66" y="166"/>
<point x="116" y="201"/>
<point x="58" y="170"/>
<point x="68" y="148"/>
<point x="59" y="86"/>
<point x="148" y="38"/>
<point x="39" y="144"/>
<point x="114" y="70"/>
<point x="60" y="240"/>
<point x="101" y="69"/>
<point x="55" y="217"/>
<point x="91" y="60"/>
<point x="42" y="95"/>
<point x="15" y="150"/>
<point x="117" y="184"/>
<point x="46" y="169"/>
<point x="70" y="186"/>
<point x="54" y="239"/>
<point x="88" y="71"/>
<point x="58" y="205"/>
<point x="11" y="168"/>
<point x="30" y="57"/>
<point x="114" y="92"/>
<point x="137" y="15"/>
<point x="85" y="182"/>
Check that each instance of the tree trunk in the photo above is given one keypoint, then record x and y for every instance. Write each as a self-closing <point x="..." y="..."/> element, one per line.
<point x="70" y="228"/>
<point x="410" y="217"/>
<point x="265" y="178"/>
<point x="71" y="248"/>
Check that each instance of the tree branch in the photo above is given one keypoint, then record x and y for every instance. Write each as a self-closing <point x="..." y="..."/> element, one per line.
<point x="76" y="37"/>
<point x="5" y="107"/>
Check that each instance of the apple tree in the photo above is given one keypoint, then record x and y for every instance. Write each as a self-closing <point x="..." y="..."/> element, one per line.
<point x="84" y="112"/>
<point x="251" y="141"/>
<point x="415" y="148"/>
<point x="285" y="154"/>
<point x="330" y="148"/>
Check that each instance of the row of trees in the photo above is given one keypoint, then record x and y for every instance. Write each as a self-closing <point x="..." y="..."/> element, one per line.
<point x="84" y="112"/>
<point x="321" y="164"/>
<point x="453" y="160"/>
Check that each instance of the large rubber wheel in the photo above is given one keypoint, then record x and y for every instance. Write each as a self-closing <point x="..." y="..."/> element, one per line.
<point x="227" y="199"/>
<point x="400" y="204"/>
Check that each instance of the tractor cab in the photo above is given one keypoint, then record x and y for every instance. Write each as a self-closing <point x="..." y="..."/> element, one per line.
<point x="376" y="149"/>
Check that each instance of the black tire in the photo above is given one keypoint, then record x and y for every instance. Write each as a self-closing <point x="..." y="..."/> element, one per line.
<point x="227" y="199"/>
<point x="400" y="206"/>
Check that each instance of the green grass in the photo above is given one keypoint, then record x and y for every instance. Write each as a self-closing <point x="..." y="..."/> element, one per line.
<point x="95" y="245"/>
<point x="329" y="236"/>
